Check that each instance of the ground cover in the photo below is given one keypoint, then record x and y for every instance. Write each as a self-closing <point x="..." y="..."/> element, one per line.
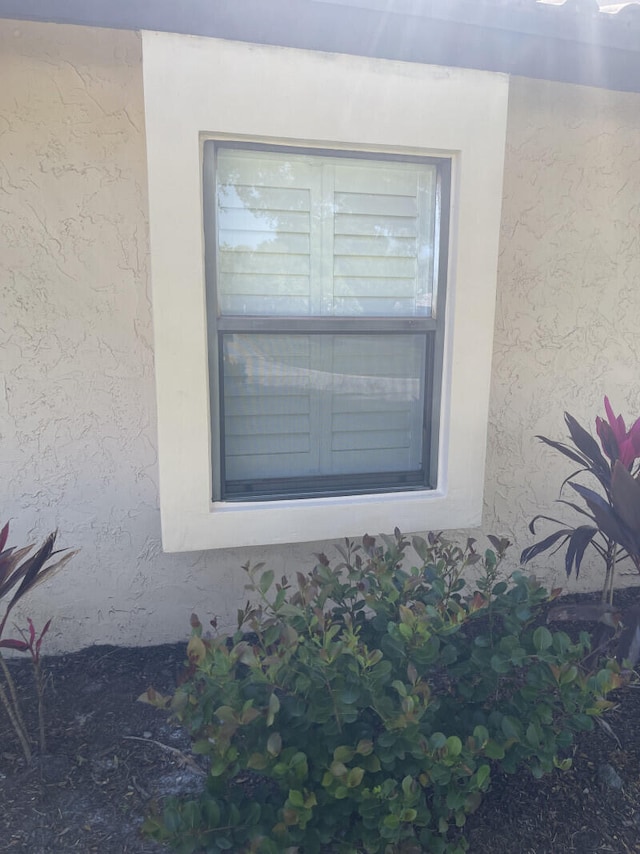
<point x="111" y="760"/>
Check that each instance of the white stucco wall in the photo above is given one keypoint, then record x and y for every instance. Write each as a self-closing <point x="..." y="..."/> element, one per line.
<point x="77" y="411"/>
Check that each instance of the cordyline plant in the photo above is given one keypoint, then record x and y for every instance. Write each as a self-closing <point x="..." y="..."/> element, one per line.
<point x="612" y="514"/>
<point x="19" y="574"/>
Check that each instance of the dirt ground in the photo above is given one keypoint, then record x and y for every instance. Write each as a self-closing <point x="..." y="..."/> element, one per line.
<point x="110" y="759"/>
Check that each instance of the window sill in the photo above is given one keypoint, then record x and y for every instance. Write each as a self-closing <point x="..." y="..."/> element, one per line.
<point x="229" y="525"/>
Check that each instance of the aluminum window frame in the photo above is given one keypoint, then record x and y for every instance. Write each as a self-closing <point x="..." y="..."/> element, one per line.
<point x="431" y="327"/>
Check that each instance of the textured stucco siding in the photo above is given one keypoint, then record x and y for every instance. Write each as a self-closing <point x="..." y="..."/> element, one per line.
<point x="568" y="294"/>
<point x="77" y="411"/>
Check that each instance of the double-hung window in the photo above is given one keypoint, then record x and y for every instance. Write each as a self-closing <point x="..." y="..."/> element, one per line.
<point x="326" y="277"/>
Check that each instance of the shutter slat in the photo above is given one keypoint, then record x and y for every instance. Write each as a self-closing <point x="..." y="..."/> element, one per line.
<point x="376" y="204"/>
<point x="381" y="245"/>
<point x="373" y="225"/>
<point x="276" y="404"/>
<point x="261" y="425"/>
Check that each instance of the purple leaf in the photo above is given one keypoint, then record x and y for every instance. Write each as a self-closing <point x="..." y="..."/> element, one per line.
<point x="604" y="515"/>
<point x="544" y="545"/>
<point x="625" y="496"/>
<point x="586" y="444"/>
<point x="578" y="543"/>
<point x="13" y="643"/>
<point x="566" y="450"/>
<point x="4" y="533"/>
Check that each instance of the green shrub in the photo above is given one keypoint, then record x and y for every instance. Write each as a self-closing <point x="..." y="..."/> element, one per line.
<point x="364" y="709"/>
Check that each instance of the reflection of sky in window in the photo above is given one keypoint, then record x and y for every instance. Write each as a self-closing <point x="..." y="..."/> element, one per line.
<point x="271" y="218"/>
<point x="229" y="198"/>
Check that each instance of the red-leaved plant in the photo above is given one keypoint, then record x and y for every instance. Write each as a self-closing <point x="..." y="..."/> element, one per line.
<point x="612" y="514"/>
<point x="19" y="574"/>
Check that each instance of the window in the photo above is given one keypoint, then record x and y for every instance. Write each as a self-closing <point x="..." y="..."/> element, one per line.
<point x="346" y="115"/>
<point x="325" y="286"/>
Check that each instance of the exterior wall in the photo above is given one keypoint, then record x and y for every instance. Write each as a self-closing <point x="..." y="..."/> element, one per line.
<point x="77" y="413"/>
<point x="568" y="296"/>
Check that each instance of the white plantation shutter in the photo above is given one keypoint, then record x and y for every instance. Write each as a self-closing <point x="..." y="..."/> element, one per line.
<point x="311" y="236"/>
<point x="305" y="405"/>
<point x="269" y="407"/>
<point x="383" y="239"/>
<point x="377" y="403"/>
<point x="302" y="235"/>
<point x="264" y="259"/>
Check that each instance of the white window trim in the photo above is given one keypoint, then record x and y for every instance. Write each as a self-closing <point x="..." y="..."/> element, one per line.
<point x="198" y="88"/>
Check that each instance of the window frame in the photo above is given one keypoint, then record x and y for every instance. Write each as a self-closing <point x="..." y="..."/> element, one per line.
<point x="430" y="327"/>
<point x="197" y="88"/>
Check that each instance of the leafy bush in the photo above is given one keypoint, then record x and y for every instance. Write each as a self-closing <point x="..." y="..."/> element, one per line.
<point x="365" y="709"/>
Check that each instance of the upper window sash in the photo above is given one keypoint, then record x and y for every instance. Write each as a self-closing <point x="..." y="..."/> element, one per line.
<point x="301" y="233"/>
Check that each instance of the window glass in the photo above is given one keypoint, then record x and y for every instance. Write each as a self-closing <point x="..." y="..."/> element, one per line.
<point x="317" y="235"/>
<point x="300" y="405"/>
<point x="323" y="330"/>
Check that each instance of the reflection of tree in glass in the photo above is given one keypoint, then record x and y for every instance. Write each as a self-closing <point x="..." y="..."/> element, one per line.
<point x="308" y="235"/>
<point x="263" y="239"/>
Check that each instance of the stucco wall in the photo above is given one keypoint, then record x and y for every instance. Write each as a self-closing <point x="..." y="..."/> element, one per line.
<point x="568" y="293"/>
<point x="77" y="416"/>
<point x="77" y="412"/>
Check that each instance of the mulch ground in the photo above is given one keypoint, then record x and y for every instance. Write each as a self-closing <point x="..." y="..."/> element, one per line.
<point x="110" y="760"/>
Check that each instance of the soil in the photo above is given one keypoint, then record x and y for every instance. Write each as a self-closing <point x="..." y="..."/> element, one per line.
<point x="110" y="759"/>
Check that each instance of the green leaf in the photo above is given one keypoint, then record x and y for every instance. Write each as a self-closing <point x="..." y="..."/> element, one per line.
<point x="350" y="694"/>
<point x="500" y="664"/>
<point x="400" y="687"/>
<point x="343" y="753"/>
<point x="405" y="630"/>
<point x="482" y="776"/>
<point x="437" y="740"/>
<point x="273" y="708"/>
<point x="266" y="580"/>
<point x="493" y="750"/>
<point x="481" y="734"/>
<point x="421" y="547"/>
<point x="338" y="769"/>
<point x="225" y="713"/>
<point x="354" y="777"/>
<point x="511" y="728"/>
<point x="171" y="818"/>
<point x="542" y="638"/>
<point x="296" y="798"/>
<point x="274" y="744"/>
<point x="454" y="746"/>
<point x="218" y="767"/>
<point x="569" y="675"/>
<point x="364" y="747"/>
<point x="257" y="761"/>
<point x="533" y="735"/>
